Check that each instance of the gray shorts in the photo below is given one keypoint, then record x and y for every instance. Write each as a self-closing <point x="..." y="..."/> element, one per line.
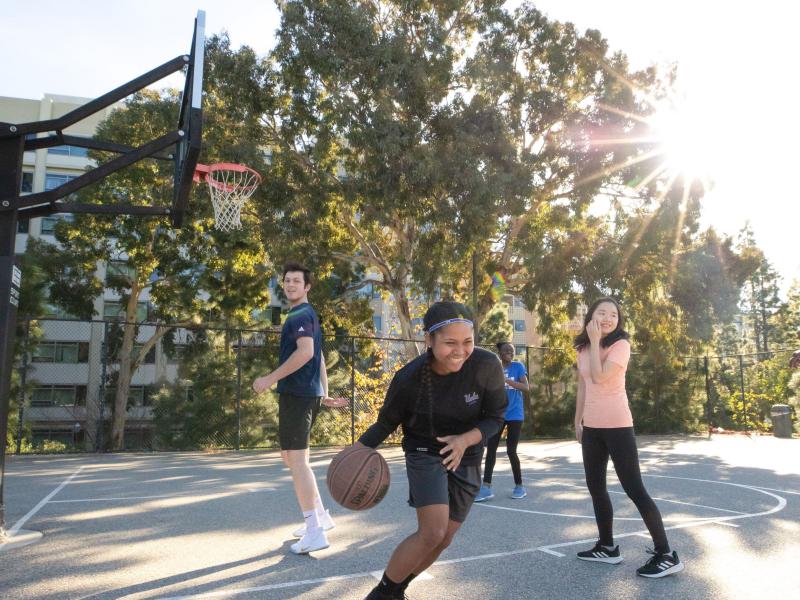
<point x="296" y="416"/>
<point x="429" y="482"/>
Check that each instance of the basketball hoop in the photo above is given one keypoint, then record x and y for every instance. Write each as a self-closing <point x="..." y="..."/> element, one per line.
<point x="230" y="185"/>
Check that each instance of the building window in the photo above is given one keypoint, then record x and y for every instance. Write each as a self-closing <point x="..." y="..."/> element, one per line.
<point x="377" y="323"/>
<point x="56" y="312"/>
<point x="26" y="184"/>
<point x="114" y="311"/>
<point x="49" y="223"/>
<point x="120" y="268"/>
<point x="275" y="317"/>
<point x="371" y="291"/>
<point x="518" y="303"/>
<point x="138" y="395"/>
<point x="69" y="151"/>
<point x="61" y="352"/>
<point x="149" y="358"/>
<point x="520" y="350"/>
<point x="177" y="353"/>
<point x="519" y="325"/>
<point x="53" y="180"/>
<point x="23" y="225"/>
<point x="59" y="395"/>
<point x="68" y="437"/>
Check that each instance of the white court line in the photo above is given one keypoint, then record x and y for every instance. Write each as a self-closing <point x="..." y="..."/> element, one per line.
<point x="591" y="517"/>
<point x="758" y="487"/>
<point x="190" y="495"/>
<point x="18" y="525"/>
<point x="321" y="580"/>
<point x="692" y="522"/>
<point x="424" y="576"/>
<point x="727" y="510"/>
<point x="548" y="549"/>
<point x="274" y="586"/>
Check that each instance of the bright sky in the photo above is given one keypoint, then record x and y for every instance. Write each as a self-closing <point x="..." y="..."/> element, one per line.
<point x="738" y="76"/>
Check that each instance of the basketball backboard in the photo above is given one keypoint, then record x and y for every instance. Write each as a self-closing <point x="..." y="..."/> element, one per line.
<point x="181" y="145"/>
<point x="190" y="122"/>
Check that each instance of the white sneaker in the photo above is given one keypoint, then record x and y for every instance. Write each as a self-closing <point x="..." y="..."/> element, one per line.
<point x="316" y="540"/>
<point x="325" y="521"/>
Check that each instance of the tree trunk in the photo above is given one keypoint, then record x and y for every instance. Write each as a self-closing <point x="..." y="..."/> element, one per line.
<point x="412" y="349"/>
<point x="120" y="408"/>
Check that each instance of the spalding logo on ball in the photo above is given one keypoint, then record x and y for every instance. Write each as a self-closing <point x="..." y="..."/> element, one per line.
<point x="358" y="477"/>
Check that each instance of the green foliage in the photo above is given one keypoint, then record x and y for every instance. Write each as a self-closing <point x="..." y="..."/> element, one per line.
<point x="553" y="389"/>
<point x="198" y="411"/>
<point x="495" y="327"/>
<point x="767" y="381"/>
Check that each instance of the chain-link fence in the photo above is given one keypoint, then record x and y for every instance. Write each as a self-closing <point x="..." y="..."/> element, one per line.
<point x="103" y="385"/>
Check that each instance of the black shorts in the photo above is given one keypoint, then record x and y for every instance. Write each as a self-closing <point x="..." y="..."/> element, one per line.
<point x="296" y="416"/>
<point x="429" y="482"/>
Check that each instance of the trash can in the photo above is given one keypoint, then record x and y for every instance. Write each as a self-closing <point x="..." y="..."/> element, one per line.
<point x="781" y="416"/>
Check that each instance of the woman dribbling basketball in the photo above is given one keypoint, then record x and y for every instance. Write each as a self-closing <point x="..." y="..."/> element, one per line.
<point x="449" y="401"/>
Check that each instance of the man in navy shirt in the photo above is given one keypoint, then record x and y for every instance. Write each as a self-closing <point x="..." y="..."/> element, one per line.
<point x="302" y="387"/>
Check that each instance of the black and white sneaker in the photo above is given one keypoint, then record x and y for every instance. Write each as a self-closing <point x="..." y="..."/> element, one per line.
<point x="660" y="565"/>
<point x="602" y="554"/>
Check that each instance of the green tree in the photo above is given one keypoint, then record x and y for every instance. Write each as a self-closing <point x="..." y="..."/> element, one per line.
<point x="496" y="327"/>
<point x="760" y="298"/>
<point x="379" y="147"/>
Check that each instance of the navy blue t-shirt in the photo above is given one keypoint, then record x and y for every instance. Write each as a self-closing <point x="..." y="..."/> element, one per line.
<point x="302" y="321"/>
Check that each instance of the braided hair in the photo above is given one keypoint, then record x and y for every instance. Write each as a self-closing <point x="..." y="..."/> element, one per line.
<point x="435" y="315"/>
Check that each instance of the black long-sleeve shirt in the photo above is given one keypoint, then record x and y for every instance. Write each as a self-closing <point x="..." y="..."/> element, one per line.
<point x="474" y="396"/>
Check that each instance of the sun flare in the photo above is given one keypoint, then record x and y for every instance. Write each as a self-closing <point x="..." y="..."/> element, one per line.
<point x="687" y="142"/>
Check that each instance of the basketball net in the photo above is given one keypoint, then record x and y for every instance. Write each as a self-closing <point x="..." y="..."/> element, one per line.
<point x="230" y="185"/>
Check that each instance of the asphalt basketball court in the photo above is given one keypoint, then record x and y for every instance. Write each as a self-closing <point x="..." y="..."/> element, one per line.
<point x="218" y="525"/>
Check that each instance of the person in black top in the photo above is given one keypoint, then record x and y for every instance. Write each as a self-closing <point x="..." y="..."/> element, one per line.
<point x="449" y="401"/>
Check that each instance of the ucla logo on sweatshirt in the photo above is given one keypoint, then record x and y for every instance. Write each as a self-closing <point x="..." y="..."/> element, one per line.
<point x="471" y="399"/>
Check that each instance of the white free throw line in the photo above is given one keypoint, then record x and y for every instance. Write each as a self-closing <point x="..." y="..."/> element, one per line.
<point x="18" y="525"/>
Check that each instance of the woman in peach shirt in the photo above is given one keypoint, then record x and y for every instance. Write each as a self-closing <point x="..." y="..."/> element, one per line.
<point x="604" y="427"/>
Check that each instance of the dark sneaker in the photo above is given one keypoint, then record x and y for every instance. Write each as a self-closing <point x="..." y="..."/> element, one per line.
<point x="378" y="594"/>
<point x="602" y="554"/>
<point x="661" y="565"/>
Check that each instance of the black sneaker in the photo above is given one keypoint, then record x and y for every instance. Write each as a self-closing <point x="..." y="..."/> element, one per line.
<point x="602" y="554"/>
<point x="378" y="594"/>
<point x="661" y="565"/>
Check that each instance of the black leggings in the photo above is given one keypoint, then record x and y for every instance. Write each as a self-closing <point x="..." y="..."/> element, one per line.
<point x="512" y="439"/>
<point x="620" y="444"/>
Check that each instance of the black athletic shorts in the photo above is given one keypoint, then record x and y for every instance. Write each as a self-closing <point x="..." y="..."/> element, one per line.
<point x="429" y="482"/>
<point x="296" y="416"/>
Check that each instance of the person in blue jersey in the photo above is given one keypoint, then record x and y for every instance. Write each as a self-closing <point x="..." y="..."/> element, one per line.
<point x="449" y="402"/>
<point x="302" y="388"/>
<point x="516" y="383"/>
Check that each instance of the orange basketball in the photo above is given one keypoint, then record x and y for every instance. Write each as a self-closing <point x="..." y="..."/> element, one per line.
<point x="358" y="477"/>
